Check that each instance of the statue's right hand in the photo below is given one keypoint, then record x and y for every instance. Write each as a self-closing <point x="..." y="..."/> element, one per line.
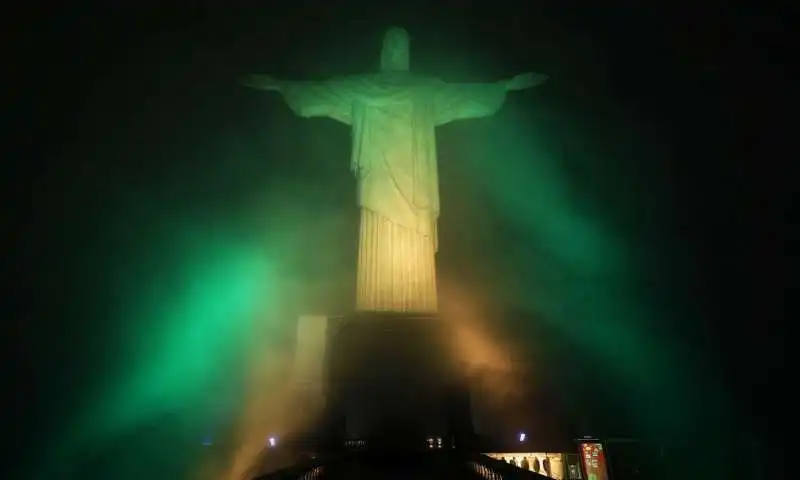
<point x="261" y="82"/>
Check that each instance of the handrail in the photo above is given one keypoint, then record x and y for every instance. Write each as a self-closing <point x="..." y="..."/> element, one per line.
<point x="303" y="471"/>
<point x="484" y="466"/>
<point x="492" y="469"/>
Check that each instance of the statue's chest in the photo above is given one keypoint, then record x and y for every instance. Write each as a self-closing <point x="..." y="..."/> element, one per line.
<point x="390" y="128"/>
<point x="398" y="113"/>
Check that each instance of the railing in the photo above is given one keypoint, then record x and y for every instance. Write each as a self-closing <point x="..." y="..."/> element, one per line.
<point x="304" y="471"/>
<point x="481" y="465"/>
<point x="492" y="469"/>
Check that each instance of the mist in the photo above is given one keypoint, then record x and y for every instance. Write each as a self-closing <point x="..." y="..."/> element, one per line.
<point x="175" y="226"/>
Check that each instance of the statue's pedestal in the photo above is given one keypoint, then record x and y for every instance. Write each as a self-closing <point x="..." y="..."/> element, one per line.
<point x="391" y="380"/>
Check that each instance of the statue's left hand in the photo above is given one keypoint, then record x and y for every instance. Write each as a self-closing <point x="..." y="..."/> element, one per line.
<point x="525" y="80"/>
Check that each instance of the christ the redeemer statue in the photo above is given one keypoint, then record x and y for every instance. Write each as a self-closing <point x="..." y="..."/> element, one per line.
<point x="393" y="115"/>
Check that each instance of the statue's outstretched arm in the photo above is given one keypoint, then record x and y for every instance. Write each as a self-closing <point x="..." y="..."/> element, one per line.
<point x="328" y="98"/>
<point x="462" y="101"/>
<point x="261" y="82"/>
<point x="524" y="81"/>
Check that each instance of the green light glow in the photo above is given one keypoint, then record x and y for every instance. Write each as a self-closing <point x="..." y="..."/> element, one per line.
<point x="188" y="349"/>
<point x="579" y="273"/>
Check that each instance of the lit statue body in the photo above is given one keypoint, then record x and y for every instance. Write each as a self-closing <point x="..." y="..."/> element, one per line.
<point x="393" y="115"/>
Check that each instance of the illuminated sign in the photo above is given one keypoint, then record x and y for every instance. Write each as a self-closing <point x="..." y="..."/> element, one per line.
<point x="594" y="461"/>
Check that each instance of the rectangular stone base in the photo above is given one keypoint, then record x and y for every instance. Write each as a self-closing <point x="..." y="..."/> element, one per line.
<point x="391" y="379"/>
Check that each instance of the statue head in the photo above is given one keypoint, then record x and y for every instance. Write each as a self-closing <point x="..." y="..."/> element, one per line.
<point x="395" y="52"/>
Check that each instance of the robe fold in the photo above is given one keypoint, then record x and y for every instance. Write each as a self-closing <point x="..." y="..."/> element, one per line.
<point x="393" y="118"/>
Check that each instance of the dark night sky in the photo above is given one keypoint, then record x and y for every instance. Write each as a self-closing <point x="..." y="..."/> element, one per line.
<point x="114" y="104"/>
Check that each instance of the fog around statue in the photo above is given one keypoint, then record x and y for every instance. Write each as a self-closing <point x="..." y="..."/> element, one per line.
<point x="393" y="114"/>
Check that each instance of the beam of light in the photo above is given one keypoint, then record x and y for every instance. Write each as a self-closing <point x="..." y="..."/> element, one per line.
<point x="187" y="335"/>
<point x="578" y="274"/>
